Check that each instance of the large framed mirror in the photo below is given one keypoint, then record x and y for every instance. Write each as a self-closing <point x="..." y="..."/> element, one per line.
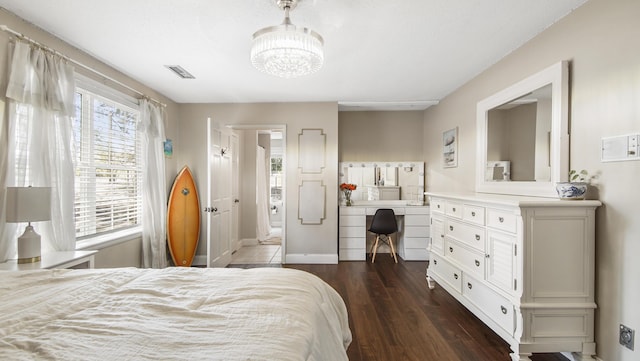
<point x="384" y="181"/>
<point x="523" y="137"/>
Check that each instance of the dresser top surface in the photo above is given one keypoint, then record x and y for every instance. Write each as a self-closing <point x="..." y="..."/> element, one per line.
<point x="514" y="201"/>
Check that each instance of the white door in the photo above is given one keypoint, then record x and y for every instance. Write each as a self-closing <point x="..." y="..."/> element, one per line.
<point x="220" y="198"/>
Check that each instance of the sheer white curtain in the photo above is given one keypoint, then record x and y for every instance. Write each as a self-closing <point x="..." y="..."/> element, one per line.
<point x="7" y="249"/>
<point x="154" y="196"/>
<point x="41" y="92"/>
<point x="263" y="227"/>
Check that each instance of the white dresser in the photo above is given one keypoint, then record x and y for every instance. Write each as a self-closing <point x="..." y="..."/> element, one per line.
<point x="412" y="239"/>
<point x="523" y="265"/>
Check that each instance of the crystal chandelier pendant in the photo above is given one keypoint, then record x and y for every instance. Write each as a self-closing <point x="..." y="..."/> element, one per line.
<point x="285" y="50"/>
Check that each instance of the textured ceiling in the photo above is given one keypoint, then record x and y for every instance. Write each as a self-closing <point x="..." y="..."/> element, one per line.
<point x="377" y="52"/>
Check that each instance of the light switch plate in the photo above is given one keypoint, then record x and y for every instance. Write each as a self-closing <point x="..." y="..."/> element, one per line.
<point x="621" y="148"/>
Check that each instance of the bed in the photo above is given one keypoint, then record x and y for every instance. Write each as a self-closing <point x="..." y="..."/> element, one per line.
<point x="171" y="314"/>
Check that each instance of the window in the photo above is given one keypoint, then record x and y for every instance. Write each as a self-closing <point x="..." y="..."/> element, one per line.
<point x="108" y="165"/>
<point x="276" y="178"/>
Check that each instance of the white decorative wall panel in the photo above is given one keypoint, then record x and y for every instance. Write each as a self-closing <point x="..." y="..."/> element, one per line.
<point x="311" y="198"/>
<point x="311" y="150"/>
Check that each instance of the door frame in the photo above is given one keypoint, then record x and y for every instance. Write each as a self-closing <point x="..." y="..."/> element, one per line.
<point x="283" y="129"/>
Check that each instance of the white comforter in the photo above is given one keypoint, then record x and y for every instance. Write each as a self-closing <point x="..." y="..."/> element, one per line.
<point x="171" y="314"/>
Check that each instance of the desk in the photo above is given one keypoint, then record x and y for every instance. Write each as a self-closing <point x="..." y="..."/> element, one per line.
<point x="411" y="240"/>
<point x="66" y="259"/>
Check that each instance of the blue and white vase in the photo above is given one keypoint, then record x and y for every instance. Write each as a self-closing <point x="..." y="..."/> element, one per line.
<point x="571" y="190"/>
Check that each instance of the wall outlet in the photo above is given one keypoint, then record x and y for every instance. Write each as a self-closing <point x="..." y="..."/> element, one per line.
<point x="626" y="337"/>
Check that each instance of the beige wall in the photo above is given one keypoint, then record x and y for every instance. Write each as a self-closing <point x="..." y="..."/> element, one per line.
<point x="127" y="253"/>
<point x="304" y="243"/>
<point x="384" y="135"/>
<point x="601" y="41"/>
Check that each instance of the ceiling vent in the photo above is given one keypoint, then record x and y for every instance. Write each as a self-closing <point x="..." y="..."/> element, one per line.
<point x="180" y="71"/>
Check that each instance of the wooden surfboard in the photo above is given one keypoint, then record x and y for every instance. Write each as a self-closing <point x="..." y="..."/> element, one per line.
<point x="183" y="219"/>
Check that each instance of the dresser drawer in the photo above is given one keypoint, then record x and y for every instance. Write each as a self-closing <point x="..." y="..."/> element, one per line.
<point x="502" y="220"/>
<point x="352" y="254"/>
<point x="469" y="259"/>
<point x="436" y="205"/>
<point x="352" y="242"/>
<point x="352" y="232"/>
<point x="473" y="236"/>
<point x="473" y="214"/>
<point x="354" y="211"/>
<point x="414" y="231"/>
<point x="353" y="221"/>
<point x="498" y="308"/>
<point x="416" y="220"/>
<point x="414" y="242"/>
<point x="453" y="209"/>
<point x="446" y="271"/>
<point x="370" y="211"/>
<point x="417" y="210"/>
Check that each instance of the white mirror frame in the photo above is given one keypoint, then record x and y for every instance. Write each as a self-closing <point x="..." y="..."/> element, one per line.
<point x="558" y="76"/>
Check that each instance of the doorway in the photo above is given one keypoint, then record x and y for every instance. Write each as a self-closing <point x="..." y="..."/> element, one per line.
<point x="263" y="176"/>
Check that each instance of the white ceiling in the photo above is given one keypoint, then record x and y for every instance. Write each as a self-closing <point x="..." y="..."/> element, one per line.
<point x="383" y="54"/>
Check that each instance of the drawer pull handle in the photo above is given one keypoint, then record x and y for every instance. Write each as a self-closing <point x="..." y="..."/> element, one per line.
<point x="477" y="237"/>
<point x="501" y="219"/>
<point x="455" y="275"/>
<point x="438" y="206"/>
<point x="503" y="309"/>
<point x="435" y="261"/>
<point x="477" y="263"/>
<point x="450" y="249"/>
<point x="473" y="214"/>
<point x="451" y="228"/>
<point x="487" y="255"/>
<point x="469" y="285"/>
<point x="454" y="209"/>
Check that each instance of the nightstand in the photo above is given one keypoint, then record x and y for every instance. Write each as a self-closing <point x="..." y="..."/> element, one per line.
<point x="64" y="259"/>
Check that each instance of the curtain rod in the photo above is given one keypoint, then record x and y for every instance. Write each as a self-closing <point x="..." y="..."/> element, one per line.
<point x="86" y="67"/>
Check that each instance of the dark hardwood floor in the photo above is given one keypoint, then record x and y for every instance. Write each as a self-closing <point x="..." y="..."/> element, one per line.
<point x="394" y="315"/>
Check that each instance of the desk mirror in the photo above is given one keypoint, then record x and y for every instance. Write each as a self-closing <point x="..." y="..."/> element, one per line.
<point x="398" y="180"/>
<point x="523" y="140"/>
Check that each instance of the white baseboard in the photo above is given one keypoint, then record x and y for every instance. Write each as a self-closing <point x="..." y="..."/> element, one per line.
<point x="570" y="357"/>
<point x="311" y="259"/>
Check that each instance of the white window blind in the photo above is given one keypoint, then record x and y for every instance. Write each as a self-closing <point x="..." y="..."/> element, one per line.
<point x="108" y="161"/>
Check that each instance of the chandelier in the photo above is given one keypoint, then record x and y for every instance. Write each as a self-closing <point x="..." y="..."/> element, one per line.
<point x="286" y="50"/>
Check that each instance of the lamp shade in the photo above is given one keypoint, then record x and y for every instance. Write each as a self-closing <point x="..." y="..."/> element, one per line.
<point x="285" y="50"/>
<point x="28" y="204"/>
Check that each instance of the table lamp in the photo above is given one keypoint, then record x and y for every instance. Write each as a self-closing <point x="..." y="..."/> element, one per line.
<point x="28" y="204"/>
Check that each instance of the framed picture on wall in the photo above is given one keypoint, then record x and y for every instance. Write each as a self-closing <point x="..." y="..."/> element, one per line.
<point x="168" y="148"/>
<point x="450" y="148"/>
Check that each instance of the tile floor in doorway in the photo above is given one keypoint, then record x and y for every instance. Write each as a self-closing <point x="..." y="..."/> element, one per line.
<point x="265" y="252"/>
<point x="258" y="254"/>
